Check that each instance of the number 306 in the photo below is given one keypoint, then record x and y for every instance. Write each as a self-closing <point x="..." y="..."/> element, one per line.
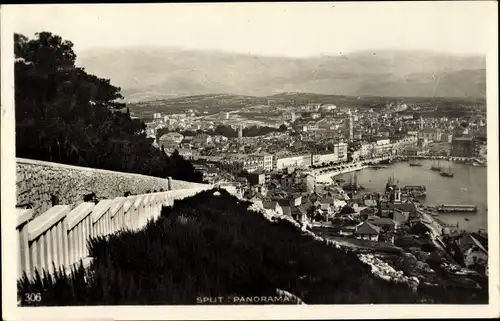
<point x="33" y="297"/>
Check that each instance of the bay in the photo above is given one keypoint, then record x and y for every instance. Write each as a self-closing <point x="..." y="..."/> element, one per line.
<point x="468" y="186"/>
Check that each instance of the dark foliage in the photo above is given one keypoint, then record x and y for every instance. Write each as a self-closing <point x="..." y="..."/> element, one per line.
<point x="213" y="246"/>
<point x="66" y="115"/>
<point x="210" y="245"/>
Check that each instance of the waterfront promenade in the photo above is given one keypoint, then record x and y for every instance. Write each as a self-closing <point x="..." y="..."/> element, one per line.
<point x="326" y="173"/>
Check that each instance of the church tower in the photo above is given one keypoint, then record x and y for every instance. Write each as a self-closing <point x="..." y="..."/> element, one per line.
<point x="240" y="131"/>
<point x="350" y="126"/>
<point x="397" y="195"/>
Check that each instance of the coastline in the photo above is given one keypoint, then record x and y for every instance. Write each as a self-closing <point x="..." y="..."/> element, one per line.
<point x="437" y="223"/>
<point x="398" y="158"/>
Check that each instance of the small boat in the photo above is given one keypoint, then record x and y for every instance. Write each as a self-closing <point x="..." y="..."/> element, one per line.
<point x="386" y="161"/>
<point x="413" y="163"/>
<point x="466" y="219"/>
<point x="447" y="173"/>
<point x="353" y="185"/>
<point x="436" y="166"/>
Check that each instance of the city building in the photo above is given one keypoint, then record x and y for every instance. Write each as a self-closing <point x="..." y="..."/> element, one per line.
<point x="202" y="139"/>
<point x="170" y="140"/>
<point x="367" y="231"/>
<point x="250" y="163"/>
<point x="294" y="161"/>
<point x="188" y="153"/>
<point x="366" y="150"/>
<point x="311" y="126"/>
<point x="464" y="147"/>
<point x="431" y="134"/>
<point x="473" y="251"/>
<point x="327" y="107"/>
<point x="256" y="178"/>
<point x="272" y="206"/>
<point x="265" y="160"/>
<point x="422" y="142"/>
<point x="324" y="159"/>
<point x="382" y="147"/>
<point x="447" y="138"/>
<point x="171" y="121"/>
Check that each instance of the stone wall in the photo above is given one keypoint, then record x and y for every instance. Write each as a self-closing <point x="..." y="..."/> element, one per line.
<point x="176" y="184"/>
<point x="38" y="181"/>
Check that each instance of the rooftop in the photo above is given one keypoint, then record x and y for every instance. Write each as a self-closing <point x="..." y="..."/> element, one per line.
<point x="367" y="229"/>
<point x="269" y="204"/>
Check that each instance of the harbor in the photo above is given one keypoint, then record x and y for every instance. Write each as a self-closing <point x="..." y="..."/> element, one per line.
<point x="468" y="186"/>
<point x="391" y="221"/>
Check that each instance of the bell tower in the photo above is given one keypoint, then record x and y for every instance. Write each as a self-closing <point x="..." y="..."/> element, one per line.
<point x="397" y="195"/>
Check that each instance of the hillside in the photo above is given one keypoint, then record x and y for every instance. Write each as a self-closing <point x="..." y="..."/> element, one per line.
<point x="156" y="73"/>
<point x="214" y="245"/>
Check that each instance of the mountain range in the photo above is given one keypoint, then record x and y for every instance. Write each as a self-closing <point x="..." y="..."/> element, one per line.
<point x="149" y="73"/>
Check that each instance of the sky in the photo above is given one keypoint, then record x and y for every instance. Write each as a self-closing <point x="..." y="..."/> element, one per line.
<point x="272" y="29"/>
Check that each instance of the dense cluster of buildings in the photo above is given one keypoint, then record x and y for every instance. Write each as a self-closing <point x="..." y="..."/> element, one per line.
<point x="390" y="218"/>
<point x="277" y="169"/>
<point x="317" y="135"/>
<point x="465" y="147"/>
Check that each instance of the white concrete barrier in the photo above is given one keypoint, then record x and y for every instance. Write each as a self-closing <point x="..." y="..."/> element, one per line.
<point x="59" y="236"/>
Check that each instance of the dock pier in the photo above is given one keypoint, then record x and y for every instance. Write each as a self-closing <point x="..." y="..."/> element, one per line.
<point x="445" y="208"/>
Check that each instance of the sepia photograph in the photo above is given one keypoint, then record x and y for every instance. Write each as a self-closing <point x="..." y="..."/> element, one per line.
<point x="301" y="155"/>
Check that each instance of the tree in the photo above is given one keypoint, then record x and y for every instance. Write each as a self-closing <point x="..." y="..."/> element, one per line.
<point x="283" y="128"/>
<point x="65" y="115"/>
<point x="347" y="210"/>
<point x="311" y="212"/>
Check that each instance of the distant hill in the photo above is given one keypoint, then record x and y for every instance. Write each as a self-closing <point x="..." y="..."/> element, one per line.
<point x="150" y="73"/>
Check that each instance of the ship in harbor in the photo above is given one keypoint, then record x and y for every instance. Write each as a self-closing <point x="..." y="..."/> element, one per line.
<point x="414" y="191"/>
<point x="447" y="173"/>
<point x="436" y="167"/>
<point x="378" y="166"/>
<point x="352" y="185"/>
<point x="387" y="161"/>
<point x="413" y="162"/>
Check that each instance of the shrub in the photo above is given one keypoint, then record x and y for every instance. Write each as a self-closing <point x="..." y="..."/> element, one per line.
<point x="210" y="245"/>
